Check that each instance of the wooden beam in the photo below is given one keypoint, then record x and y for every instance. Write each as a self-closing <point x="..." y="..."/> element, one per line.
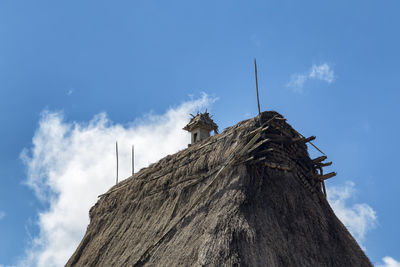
<point x="302" y="139"/>
<point x="274" y="165"/>
<point x="309" y="139"/>
<point x="320" y="164"/>
<point x="327" y="176"/>
<point x="310" y="143"/>
<point x="319" y="159"/>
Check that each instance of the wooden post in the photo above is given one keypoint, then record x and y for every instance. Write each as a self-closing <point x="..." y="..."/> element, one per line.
<point x="258" y="99"/>
<point x="116" y="152"/>
<point x="321" y="172"/>
<point x="133" y="160"/>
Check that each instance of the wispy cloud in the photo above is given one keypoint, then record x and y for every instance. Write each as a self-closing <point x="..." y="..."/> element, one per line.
<point x="297" y="82"/>
<point x="389" y="262"/>
<point x="323" y="72"/>
<point x="358" y="218"/>
<point x="70" y="164"/>
<point x="2" y="214"/>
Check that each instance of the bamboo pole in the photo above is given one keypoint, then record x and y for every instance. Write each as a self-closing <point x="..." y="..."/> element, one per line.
<point x="116" y="152"/>
<point x="258" y="99"/>
<point x="133" y="160"/>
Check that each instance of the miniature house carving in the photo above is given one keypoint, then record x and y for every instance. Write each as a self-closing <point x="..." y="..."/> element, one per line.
<point x="200" y="127"/>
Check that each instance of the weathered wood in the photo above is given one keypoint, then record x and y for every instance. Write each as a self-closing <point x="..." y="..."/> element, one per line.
<point x="327" y="176"/>
<point x="319" y="159"/>
<point x="277" y="138"/>
<point x="115" y="189"/>
<point x="264" y="129"/>
<point x="258" y="130"/>
<point x="309" y="139"/>
<point x="280" y="118"/>
<point x="320" y="164"/>
<point x="297" y="139"/>
<point x="265" y="151"/>
<point x="276" y="117"/>
<point x="321" y="172"/>
<point x="310" y="143"/>
<point x="274" y="165"/>
<point x="248" y="159"/>
<point x="259" y="159"/>
<point x="258" y="145"/>
<point x="249" y="144"/>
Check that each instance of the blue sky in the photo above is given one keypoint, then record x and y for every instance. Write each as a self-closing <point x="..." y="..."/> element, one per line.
<point x="330" y="67"/>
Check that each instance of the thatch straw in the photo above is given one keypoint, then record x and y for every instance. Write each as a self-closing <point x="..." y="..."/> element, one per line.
<point x="225" y="201"/>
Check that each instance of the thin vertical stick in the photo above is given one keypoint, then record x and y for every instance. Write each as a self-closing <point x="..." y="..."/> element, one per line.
<point x="258" y="99"/>
<point x="321" y="172"/>
<point x="116" y="152"/>
<point x="133" y="160"/>
<point x="324" y="189"/>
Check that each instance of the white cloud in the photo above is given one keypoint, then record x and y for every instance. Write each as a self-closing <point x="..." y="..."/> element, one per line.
<point x="389" y="262"/>
<point x="70" y="164"/>
<point x="2" y="215"/>
<point x="322" y="72"/>
<point x="358" y="218"/>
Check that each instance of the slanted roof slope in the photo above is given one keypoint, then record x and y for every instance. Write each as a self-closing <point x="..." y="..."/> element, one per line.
<point x="249" y="196"/>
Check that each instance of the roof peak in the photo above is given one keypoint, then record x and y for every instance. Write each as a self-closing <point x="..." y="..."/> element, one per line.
<point x="201" y="120"/>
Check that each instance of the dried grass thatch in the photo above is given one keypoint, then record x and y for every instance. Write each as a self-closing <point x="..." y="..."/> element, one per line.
<point x="250" y="196"/>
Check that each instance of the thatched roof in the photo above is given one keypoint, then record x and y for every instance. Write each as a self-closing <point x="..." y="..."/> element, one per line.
<point x="249" y="196"/>
<point x="201" y="120"/>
